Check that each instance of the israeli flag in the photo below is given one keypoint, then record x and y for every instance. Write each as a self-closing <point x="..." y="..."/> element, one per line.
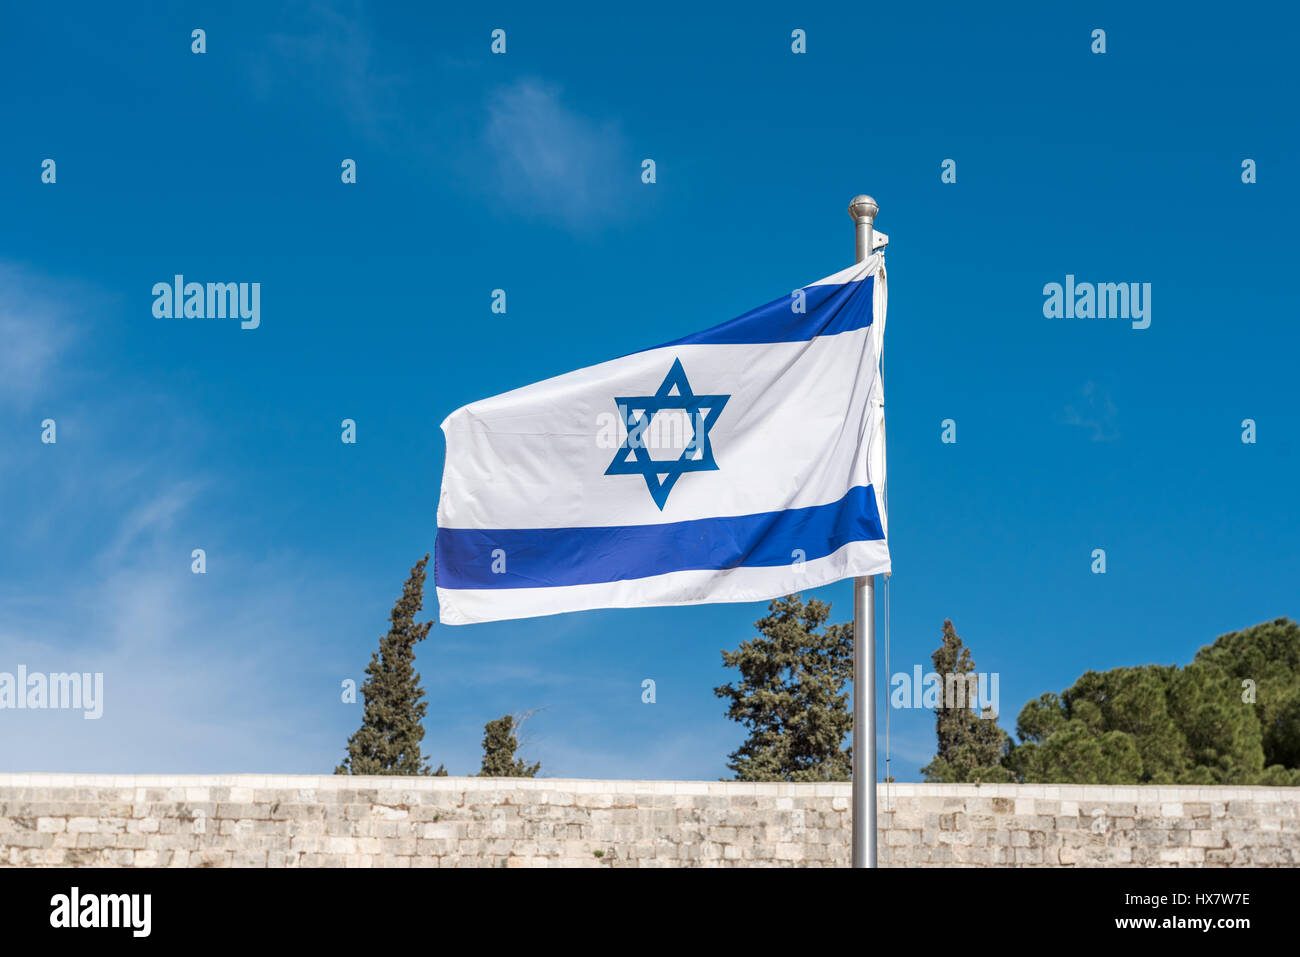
<point x="738" y="464"/>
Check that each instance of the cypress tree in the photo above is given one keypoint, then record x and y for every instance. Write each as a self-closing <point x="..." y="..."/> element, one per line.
<point x="971" y="746"/>
<point x="388" y="741"/>
<point x="499" y="746"/>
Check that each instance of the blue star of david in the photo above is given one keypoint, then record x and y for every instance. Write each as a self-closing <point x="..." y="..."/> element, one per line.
<point x="633" y="458"/>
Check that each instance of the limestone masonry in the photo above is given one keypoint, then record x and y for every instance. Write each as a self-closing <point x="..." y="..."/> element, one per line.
<point x="249" y="820"/>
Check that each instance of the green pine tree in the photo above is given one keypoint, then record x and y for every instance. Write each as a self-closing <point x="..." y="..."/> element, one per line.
<point x="791" y="695"/>
<point x="1232" y="716"/>
<point x="971" y="745"/>
<point x="499" y="747"/>
<point x="1263" y="665"/>
<point x="388" y="741"/>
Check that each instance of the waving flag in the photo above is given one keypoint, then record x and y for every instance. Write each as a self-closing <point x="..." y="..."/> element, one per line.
<point x="738" y="464"/>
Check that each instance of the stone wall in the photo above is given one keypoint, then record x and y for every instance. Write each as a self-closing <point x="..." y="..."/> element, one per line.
<point x="251" y="820"/>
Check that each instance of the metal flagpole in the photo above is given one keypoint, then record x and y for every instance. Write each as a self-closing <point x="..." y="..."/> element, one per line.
<point x="863" y="209"/>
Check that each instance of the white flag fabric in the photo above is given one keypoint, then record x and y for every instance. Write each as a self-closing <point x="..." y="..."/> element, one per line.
<point x="738" y="464"/>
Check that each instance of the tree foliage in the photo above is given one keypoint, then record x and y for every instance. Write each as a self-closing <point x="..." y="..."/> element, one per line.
<point x="791" y="695"/>
<point x="1232" y="716"/>
<point x="388" y="741"/>
<point x="971" y="745"/>
<point x="499" y="747"/>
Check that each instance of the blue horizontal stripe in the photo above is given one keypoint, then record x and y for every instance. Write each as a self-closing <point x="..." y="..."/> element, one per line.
<point x="829" y="309"/>
<point x="541" y="557"/>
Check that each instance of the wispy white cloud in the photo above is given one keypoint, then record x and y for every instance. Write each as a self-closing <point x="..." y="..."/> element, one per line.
<point x="331" y="52"/>
<point x="195" y="667"/>
<point x="1094" y="410"/>
<point x="552" y="161"/>
<point x="192" y="675"/>
<point x="200" y="671"/>
<point x="149" y="518"/>
<point x="35" y="328"/>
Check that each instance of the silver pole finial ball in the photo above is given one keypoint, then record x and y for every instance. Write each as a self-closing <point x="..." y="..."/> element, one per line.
<point x="863" y="209"/>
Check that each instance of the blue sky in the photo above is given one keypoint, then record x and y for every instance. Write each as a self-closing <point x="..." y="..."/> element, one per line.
<point x="522" y="172"/>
